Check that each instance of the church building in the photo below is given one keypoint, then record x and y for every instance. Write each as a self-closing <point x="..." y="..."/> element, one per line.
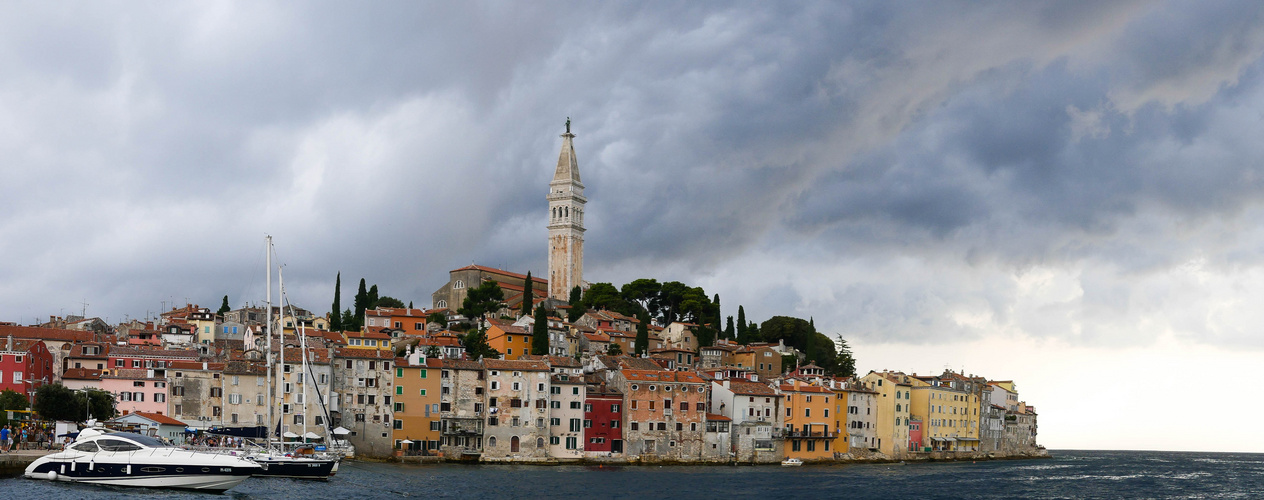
<point x="566" y="222"/>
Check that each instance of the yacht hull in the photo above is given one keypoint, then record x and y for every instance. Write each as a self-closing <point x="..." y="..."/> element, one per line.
<point x="301" y="468"/>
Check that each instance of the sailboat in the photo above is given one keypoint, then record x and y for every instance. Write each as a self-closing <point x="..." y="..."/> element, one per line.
<point x="277" y="461"/>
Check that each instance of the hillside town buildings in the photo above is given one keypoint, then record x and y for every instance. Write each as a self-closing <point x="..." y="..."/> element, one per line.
<point x="405" y="384"/>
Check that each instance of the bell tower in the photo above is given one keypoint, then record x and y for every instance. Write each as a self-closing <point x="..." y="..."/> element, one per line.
<point x="566" y="222"/>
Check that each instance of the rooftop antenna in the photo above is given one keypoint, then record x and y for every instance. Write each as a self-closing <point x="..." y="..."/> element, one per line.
<point x="84" y="313"/>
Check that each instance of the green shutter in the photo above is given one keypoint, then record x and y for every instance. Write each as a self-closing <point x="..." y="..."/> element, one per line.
<point x="423" y="373"/>
<point x="399" y="373"/>
<point x="399" y="390"/>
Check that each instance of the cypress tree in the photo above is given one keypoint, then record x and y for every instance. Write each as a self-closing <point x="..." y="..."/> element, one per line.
<point x="528" y="295"/>
<point x="742" y="329"/>
<point x="715" y="321"/>
<point x="410" y="304"/>
<point x="223" y="308"/>
<point x="642" y="343"/>
<point x="577" y="308"/>
<point x="335" y="316"/>
<point x="540" y="332"/>
<point x="361" y="301"/>
<point x="373" y="296"/>
<point x="728" y="329"/>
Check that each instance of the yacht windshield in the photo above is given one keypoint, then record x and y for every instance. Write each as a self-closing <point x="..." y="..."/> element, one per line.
<point x="128" y="442"/>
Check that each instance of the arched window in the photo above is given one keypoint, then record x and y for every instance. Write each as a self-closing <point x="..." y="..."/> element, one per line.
<point x="491" y="442"/>
<point x="539" y="442"/>
<point x="513" y="445"/>
<point x="458" y="284"/>
<point x="566" y="211"/>
<point x="442" y="304"/>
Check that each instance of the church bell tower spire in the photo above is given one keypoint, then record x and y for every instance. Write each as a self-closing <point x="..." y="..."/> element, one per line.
<point x="566" y="222"/>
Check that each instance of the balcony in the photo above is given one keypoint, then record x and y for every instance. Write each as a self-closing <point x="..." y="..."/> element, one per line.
<point x="667" y="412"/>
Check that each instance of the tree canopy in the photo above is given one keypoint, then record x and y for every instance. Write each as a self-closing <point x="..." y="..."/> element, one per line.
<point x="528" y="295"/>
<point x="817" y="347"/>
<point x="11" y="400"/>
<point x="388" y="301"/>
<point x="486" y="298"/>
<point x="476" y="345"/>
<point x="57" y="402"/>
<point x="223" y="307"/>
<point x="335" y="314"/>
<point x="540" y="332"/>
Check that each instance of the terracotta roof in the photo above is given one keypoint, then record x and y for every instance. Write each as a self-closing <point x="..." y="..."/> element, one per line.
<point x="751" y="388"/>
<point x="162" y="419"/>
<point x="245" y="368"/>
<point x="720" y="418"/>
<point x="32" y="332"/>
<point x="519" y="365"/>
<point x="462" y="364"/>
<point x="81" y="374"/>
<point x="367" y="335"/>
<point x="662" y="376"/>
<point x="128" y="351"/>
<point x="597" y="337"/>
<point x="502" y="272"/>
<point x="508" y="327"/>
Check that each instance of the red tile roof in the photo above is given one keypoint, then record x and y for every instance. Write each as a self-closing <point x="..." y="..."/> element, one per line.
<point x="162" y="419"/>
<point x="502" y="272"/>
<point x="32" y="332"/>
<point x="519" y="365"/>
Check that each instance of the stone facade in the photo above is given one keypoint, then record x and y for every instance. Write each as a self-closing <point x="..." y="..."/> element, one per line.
<point x="518" y="410"/>
<point x="666" y="414"/>
<point x="364" y="382"/>
<point x="462" y="408"/>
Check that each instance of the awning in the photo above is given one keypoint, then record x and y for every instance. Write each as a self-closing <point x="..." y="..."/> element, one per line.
<point x="342" y="430"/>
<point x="290" y="435"/>
<point x="311" y="435"/>
<point x="967" y="439"/>
<point x="405" y="442"/>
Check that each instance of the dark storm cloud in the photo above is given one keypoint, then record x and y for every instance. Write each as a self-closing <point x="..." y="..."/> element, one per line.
<point x="887" y="169"/>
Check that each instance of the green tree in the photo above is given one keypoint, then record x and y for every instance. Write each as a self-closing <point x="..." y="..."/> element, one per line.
<point x="484" y="299"/>
<point x="728" y="330"/>
<point x="642" y="343"/>
<point x="577" y="309"/>
<point x="410" y="304"/>
<point x="801" y="334"/>
<point x="223" y="308"/>
<point x="670" y="297"/>
<point x="528" y="295"/>
<point x="715" y="313"/>
<point x="613" y="349"/>
<point x="846" y="364"/>
<point x="540" y="332"/>
<point x="644" y="293"/>
<point x="743" y="335"/>
<point x="433" y="351"/>
<point x="373" y="298"/>
<point x="348" y="320"/>
<point x="388" y="301"/>
<point x="335" y="315"/>
<point x="476" y="345"/>
<point x="11" y="400"/>
<point x="56" y="402"/>
<point x="437" y="317"/>
<point x="361" y="303"/>
<point x="604" y="296"/>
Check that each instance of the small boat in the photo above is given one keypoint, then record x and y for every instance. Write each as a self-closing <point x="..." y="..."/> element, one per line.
<point x="792" y="462"/>
<point x="127" y="459"/>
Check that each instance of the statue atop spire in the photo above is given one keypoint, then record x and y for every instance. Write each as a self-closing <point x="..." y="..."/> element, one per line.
<point x="568" y="124"/>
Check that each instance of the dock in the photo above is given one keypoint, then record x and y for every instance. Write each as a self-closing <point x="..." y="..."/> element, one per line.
<point x="15" y="462"/>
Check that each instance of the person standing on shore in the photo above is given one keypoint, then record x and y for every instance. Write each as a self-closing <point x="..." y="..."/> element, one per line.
<point x="4" y="439"/>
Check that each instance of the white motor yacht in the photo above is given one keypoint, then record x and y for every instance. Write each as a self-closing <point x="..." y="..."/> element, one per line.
<point x="127" y="459"/>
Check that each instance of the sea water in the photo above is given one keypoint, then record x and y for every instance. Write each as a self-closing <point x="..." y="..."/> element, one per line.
<point x="1070" y="474"/>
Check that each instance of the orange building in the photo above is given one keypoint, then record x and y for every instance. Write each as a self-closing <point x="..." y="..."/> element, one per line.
<point x="416" y="411"/>
<point x="408" y="321"/>
<point x="809" y="432"/>
<point x="513" y="342"/>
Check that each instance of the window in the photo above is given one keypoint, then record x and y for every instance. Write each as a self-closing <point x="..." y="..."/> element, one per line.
<point x="217" y="392"/>
<point x="575" y="405"/>
<point x="572" y="443"/>
<point x="614" y="408"/>
<point x="399" y="407"/>
<point x="574" y="425"/>
<point x="399" y="373"/>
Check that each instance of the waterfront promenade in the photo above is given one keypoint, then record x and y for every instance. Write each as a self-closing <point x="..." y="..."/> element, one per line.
<point x="16" y="461"/>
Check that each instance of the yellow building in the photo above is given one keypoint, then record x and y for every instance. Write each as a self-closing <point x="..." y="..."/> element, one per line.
<point x="893" y="403"/>
<point x="371" y="339"/>
<point x="809" y="425"/>
<point x="416" y="411"/>
<point x="948" y="424"/>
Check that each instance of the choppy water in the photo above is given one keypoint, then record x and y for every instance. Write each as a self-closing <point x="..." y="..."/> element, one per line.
<point x="1070" y="475"/>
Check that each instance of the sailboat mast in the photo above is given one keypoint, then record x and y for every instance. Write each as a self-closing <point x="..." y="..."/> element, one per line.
<point x="280" y="360"/>
<point x="302" y="338"/>
<point x="268" y="329"/>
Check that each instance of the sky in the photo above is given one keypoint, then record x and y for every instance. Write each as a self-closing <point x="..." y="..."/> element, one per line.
<point x="1064" y="194"/>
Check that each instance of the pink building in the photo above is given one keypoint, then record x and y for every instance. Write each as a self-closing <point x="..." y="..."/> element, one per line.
<point x="915" y="434"/>
<point x="137" y="390"/>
